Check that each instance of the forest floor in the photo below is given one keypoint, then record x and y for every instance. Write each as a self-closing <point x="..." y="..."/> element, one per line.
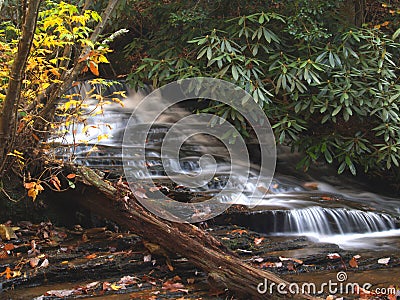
<point x="42" y="261"/>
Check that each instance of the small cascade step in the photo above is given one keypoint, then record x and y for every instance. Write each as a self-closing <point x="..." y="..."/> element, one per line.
<point x="313" y="220"/>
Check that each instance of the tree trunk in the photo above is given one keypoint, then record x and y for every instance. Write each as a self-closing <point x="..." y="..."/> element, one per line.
<point x="9" y="111"/>
<point x="359" y="18"/>
<point x="225" y="270"/>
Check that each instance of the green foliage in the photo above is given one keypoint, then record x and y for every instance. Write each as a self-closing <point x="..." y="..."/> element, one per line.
<point x="330" y="91"/>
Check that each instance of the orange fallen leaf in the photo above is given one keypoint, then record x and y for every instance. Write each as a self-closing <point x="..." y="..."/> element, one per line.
<point x="240" y="231"/>
<point x="268" y="264"/>
<point x="9" y="247"/>
<point x="21" y="126"/>
<point x="353" y="263"/>
<point x="176" y="278"/>
<point x="3" y="254"/>
<point x="299" y="261"/>
<point x="71" y="176"/>
<point x="172" y="286"/>
<point x="91" y="256"/>
<point x="7" y="273"/>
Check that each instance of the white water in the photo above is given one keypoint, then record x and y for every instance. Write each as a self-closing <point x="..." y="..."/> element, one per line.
<point x="377" y="240"/>
<point x="327" y="221"/>
<point x="349" y="229"/>
<point x="352" y="218"/>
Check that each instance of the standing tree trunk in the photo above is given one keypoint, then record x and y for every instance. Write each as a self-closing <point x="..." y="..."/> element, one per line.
<point x="359" y="18"/>
<point x="8" y="114"/>
<point x="9" y="111"/>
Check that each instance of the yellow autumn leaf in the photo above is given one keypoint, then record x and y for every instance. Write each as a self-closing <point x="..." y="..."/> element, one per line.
<point x="45" y="85"/>
<point x="118" y="101"/>
<point x="34" y="188"/>
<point x="16" y="154"/>
<point x="85" y="129"/>
<point x="33" y="194"/>
<point x="16" y="273"/>
<point x="103" y="59"/>
<point x="70" y="103"/>
<point x="115" y="287"/>
<point x="79" y="19"/>
<point x="103" y="137"/>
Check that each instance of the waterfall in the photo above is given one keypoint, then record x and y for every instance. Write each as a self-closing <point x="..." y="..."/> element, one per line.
<point x="328" y="221"/>
<point x="287" y="209"/>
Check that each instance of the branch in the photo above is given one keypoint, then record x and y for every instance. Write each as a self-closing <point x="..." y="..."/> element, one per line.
<point x="73" y="73"/>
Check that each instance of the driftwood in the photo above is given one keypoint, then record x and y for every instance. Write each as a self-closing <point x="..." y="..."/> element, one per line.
<point x="226" y="271"/>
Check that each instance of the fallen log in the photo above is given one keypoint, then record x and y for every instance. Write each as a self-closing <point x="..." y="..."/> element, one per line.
<point x="225" y="271"/>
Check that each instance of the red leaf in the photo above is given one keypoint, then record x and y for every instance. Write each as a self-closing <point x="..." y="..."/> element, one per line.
<point x="8" y="247"/>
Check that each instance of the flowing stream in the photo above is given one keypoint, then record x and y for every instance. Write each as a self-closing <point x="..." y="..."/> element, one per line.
<point x="325" y="210"/>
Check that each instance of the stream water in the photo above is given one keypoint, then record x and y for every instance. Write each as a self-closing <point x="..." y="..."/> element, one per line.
<point x="326" y="209"/>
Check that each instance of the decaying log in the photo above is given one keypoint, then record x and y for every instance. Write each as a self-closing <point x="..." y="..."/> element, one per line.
<point x="226" y="271"/>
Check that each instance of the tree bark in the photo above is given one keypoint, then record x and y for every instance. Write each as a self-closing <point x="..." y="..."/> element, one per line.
<point x="359" y="8"/>
<point x="225" y="270"/>
<point x="9" y="112"/>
